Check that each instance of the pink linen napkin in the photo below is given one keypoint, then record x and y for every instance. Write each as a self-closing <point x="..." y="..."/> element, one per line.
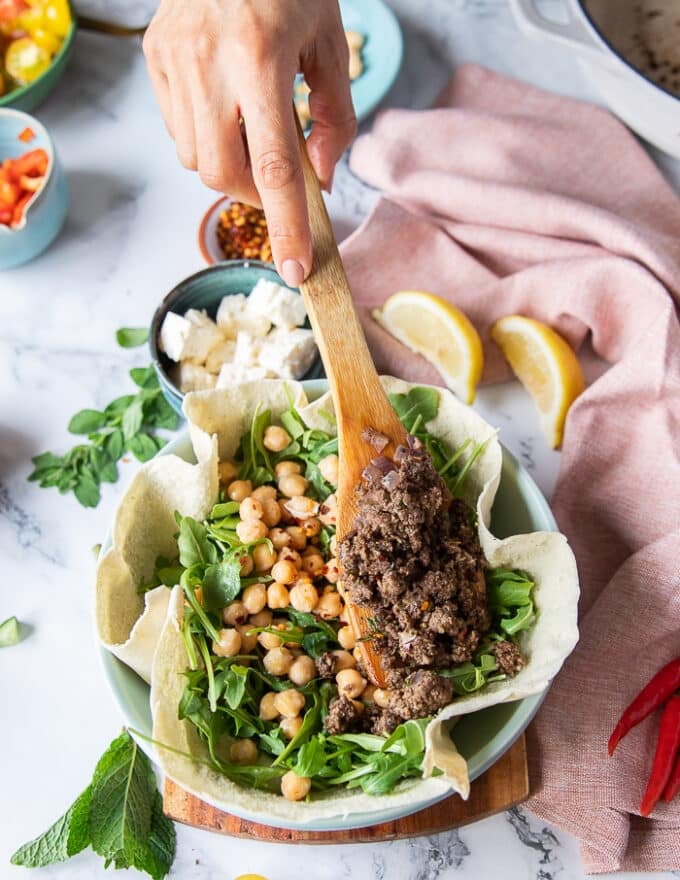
<point x="506" y="199"/>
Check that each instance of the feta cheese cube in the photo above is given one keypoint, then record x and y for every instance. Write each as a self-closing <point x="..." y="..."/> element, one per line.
<point x="288" y="353"/>
<point x="282" y="306"/>
<point x="199" y="317"/>
<point x="189" y="376"/>
<point x="182" y="339"/>
<point x="219" y="354"/>
<point x="247" y="349"/>
<point x="236" y="374"/>
<point x="228" y="311"/>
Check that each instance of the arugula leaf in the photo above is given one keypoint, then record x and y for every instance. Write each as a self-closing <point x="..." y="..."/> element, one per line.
<point x="10" y="632"/>
<point x="120" y="815"/>
<point x="420" y="403"/>
<point x="69" y="835"/>
<point x="132" y="337"/>
<point x="221" y="584"/>
<point x="194" y="546"/>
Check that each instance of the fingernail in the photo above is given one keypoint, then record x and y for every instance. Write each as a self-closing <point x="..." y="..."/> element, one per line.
<point x="292" y="273"/>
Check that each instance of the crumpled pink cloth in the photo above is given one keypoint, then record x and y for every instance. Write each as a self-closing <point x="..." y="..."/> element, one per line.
<point x="506" y="199"/>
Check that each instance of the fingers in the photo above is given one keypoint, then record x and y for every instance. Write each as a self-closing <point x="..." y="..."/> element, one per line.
<point x="330" y="104"/>
<point x="275" y="163"/>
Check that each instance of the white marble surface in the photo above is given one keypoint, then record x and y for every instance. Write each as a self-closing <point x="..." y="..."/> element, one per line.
<point x="130" y="236"/>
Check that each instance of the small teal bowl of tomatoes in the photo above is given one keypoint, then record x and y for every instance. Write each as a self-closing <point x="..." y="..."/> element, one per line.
<point x="33" y="189"/>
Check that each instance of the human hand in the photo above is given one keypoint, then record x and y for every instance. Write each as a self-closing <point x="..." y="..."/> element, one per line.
<point x="223" y="73"/>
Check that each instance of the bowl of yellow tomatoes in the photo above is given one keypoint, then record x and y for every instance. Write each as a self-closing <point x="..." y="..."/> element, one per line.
<point x="36" y="38"/>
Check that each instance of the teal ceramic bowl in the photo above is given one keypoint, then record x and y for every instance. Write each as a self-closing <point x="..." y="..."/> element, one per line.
<point x="204" y="290"/>
<point x="482" y="737"/>
<point x="28" y="97"/>
<point x="45" y="213"/>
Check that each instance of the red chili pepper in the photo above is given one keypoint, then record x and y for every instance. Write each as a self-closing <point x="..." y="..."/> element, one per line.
<point x="659" y="688"/>
<point x="673" y="786"/>
<point x="667" y="750"/>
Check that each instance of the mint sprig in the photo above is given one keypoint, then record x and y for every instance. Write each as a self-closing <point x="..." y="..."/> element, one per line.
<point x="120" y="815"/>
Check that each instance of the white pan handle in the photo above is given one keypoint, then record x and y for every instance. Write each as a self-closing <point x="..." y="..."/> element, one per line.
<point x="575" y="34"/>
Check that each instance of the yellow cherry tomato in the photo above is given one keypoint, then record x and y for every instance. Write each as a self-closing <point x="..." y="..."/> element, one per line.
<point x="25" y="61"/>
<point x="29" y="20"/>
<point x="57" y="17"/>
<point x="250" y="877"/>
<point x="46" y="40"/>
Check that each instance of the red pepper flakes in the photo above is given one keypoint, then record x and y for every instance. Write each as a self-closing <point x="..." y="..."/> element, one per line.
<point x="242" y="233"/>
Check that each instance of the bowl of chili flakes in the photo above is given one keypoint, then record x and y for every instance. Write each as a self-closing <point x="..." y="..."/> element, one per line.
<point x="33" y="189"/>
<point x="232" y="230"/>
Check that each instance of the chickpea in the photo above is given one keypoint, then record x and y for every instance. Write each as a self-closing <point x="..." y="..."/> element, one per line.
<point x="290" y="726"/>
<point x="311" y="527"/>
<point x="279" y="537"/>
<point x="250" y="530"/>
<point x="332" y="571"/>
<point x="235" y="613"/>
<point x="358" y="655"/>
<point x="227" y="471"/>
<point x="269" y="641"/>
<point x="247" y="565"/>
<point x="293" y="484"/>
<point x="268" y="711"/>
<point x="314" y="566"/>
<point x="284" y="571"/>
<point x="329" y="607"/>
<point x="381" y="697"/>
<point x="368" y="694"/>
<point x="271" y="512"/>
<point x="243" y="751"/>
<point x="290" y="555"/>
<point x="289" y="703"/>
<point x="301" y="507"/>
<point x="302" y="671"/>
<point x="343" y="660"/>
<point x="255" y="597"/>
<point x="239" y="489"/>
<point x="356" y="65"/>
<point x="248" y="641"/>
<point x="294" y="787"/>
<point x="347" y="638"/>
<point x="229" y="644"/>
<point x="333" y="545"/>
<point x="328" y="512"/>
<point x="250" y="509"/>
<point x="262" y="618"/>
<point x="277" y="661"/>
<point x="359" y="706"/>
<point x="351" y="683"/>
<point x="263" y="557"/>
<point x="329" y="469"/>
<point x="276" y="438"/>
<point x="264" y="493"/>
<point x="344" y="616"/>
<point x="355" y="40"/>
<point x="298" y="539"/>
<point x="303" y="596"/>
<point x="284" y="468"/>
<point x="277" y="595"/>
<point x="286" y="516"/>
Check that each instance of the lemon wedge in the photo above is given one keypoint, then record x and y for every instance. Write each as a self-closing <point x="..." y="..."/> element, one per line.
<point x="441" y="333"/>
<point x="547" y="367"/>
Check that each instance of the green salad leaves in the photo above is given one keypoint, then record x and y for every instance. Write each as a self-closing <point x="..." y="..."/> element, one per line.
<point x="120" y="815"/>
<point x="127" y="424"/>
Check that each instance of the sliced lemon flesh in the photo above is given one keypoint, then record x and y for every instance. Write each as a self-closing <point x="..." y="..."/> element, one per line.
<point x="441" y="333"/>
<point x="546" y="365"/>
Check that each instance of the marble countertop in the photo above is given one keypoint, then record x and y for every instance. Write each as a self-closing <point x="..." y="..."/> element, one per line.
<point x="131" y="236"/>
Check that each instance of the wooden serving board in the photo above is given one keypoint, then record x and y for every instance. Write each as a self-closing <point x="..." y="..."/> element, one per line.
<point x="504" y="785"/>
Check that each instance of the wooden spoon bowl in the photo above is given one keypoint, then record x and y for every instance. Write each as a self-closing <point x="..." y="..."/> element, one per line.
<point x="358" y="396"/>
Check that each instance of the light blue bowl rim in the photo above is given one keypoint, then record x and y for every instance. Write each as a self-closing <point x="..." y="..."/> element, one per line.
<point x="123" y="682"/>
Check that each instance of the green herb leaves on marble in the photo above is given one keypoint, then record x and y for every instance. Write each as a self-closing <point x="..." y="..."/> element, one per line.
<point x="128" y="424"/>
<point x="10" y="632"/>
<point x="119" y="815"/>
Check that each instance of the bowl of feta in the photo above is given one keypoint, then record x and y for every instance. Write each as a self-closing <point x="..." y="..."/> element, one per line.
<point x="234" y="322"/>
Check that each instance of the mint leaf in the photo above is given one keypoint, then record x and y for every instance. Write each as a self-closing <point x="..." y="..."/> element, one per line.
<point x="162" y="840"/>
<point x="68" y="836"/>
<point x="10" y="632"/>
<point x="132" y="337"/>
<point x="142" y="447"/>
<point x="86" y="421"/>
<point x="132" y="419"/>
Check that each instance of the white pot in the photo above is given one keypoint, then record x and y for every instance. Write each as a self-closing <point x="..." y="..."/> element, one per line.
<point x="646" y="107"/>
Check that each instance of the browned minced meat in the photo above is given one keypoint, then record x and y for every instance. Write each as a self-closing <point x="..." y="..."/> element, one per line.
<point x="508" y="657"/>
<point x="413" y="558"/>
<point x="342" y="716"/>
<point x="325" y="665"/>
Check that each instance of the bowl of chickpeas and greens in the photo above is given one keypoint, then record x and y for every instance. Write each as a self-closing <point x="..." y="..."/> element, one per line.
<point x="256" y="640"/>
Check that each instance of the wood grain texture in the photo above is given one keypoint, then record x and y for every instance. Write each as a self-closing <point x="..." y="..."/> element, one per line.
<point x="358" y="396"/>
<point x="504" y="785"/>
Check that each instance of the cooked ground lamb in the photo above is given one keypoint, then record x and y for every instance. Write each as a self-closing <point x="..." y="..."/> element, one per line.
<point x="508" y="657"/>
<point x="413" y="558"/>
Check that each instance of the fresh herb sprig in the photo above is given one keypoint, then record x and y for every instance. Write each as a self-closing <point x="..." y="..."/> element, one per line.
<point x="120" y="815"/>
<point x="128" y="424"/>
<point x="10" y="632"/>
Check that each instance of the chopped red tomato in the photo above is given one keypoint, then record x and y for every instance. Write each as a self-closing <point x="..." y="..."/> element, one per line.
<point x="20" y="180"/>
<point x="27" y="135"/>
<point x="10" y="9"/>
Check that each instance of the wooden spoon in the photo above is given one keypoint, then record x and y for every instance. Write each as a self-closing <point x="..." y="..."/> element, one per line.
<point x="358" y="396"/>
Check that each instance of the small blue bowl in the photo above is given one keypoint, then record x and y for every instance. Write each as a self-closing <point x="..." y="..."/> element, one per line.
<point x="205" y="290"/>
<point x="45" y="213"/>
